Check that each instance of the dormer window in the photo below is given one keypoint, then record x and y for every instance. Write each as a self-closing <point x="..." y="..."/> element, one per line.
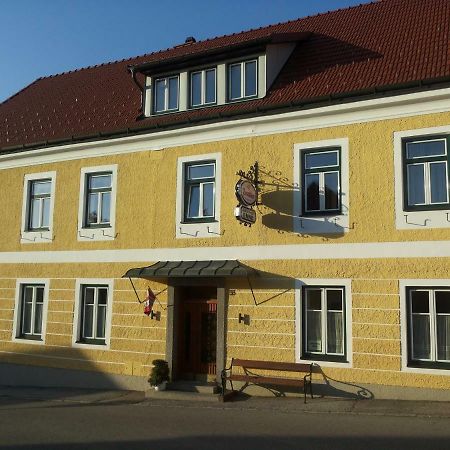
<point x="203" y="87"/>
<point x="242" y="80"/>
<point x="166" y="94"/>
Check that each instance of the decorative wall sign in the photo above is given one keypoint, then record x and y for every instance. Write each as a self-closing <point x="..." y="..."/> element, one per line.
<point x="246" y="192"/>
<point x="245" y="214"/>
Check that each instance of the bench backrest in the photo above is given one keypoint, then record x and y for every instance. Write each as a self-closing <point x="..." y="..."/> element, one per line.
<point x="274" y="365"/>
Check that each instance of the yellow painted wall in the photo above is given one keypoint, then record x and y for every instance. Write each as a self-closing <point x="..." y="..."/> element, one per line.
<point x="145" y="218"/>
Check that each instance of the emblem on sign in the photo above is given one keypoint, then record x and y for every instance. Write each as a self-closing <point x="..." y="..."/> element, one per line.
<point x="246" y="192"/>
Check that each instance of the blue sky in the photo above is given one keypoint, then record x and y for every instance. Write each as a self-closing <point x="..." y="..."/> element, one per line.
<point x="45" y="37"/>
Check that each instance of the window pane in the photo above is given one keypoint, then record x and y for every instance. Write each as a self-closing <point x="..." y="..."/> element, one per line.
<point x="250" y="78"/>
<point x="208" y="199"/>
<point x="28" y="294"/>
<point x="312" y="192"/>
<point x="314" y="331"/>
<point x="201" y="171"/>
<point x="335" y="332"/>
<point x="38" y="318"/>
<point x="416" y="184"/>
<point x="425" y="149"/>
<point x="322" y="159"/>
<point x="160" y="90"/>
<point x="331" y="190"/>
<point x="35" y="213"/>
<point x="102" y="296"/>
<point x="420" y="301"/>
<point x="210" y="94"/>
<point x="442" y="302"/>
<point x="194" y="201"/>
<point x="99" y="181"/>
<point x="40" y="295"/>
<point x="334" y="300"/>
<point x="27" y="309"/>
<point x="41" y="187"/>
<point x="314" y="299"/>
<point x="101" y="319"/>
<point x="196" y="87"/>
<point x="92" y="208"/>
<point x="88" y="319"/>
<point x="106" y="207"/>
<point x="235" y="81"/>
<point x="89" y="296"/>
<point x="421" y="336"/>
<point x="45" y="212"/>
<point x="443" y="337"/>
<point x="173" y="93"/>
<point x="438" y="175"/>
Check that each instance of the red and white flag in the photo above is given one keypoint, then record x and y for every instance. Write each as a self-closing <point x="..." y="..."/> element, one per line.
<point x="149" y="301"/>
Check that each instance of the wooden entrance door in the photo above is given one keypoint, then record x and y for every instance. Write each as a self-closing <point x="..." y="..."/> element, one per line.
<point x="197" y="338"/>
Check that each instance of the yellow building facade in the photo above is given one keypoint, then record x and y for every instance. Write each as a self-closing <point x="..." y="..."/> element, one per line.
<point x="372" y="252"/>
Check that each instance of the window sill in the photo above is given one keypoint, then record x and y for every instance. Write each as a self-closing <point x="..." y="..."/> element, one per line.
<point x="423" y="219"/>
<point x="90" y="345"/>
<point x="96" y="234"/>
<point x="25" y="340"/>
<point x="321" y="223"/>
<point x="36" y="237"/>
<point x="189" y="230"/>
<point x="326" y="362"/>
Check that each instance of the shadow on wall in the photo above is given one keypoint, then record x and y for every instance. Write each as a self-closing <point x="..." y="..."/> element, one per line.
<point x="278" y="196"/>
<point x="79" y="372"/>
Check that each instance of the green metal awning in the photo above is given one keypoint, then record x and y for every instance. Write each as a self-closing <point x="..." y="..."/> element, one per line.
<point x="185" y="269"/>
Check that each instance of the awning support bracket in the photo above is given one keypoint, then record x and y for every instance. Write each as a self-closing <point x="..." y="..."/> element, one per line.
<point x="251" y="289"/>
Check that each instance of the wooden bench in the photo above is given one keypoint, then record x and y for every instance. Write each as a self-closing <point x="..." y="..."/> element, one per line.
<point x="249" y="377"/>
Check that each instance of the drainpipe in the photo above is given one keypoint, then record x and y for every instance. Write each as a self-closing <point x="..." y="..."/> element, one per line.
<point x="141" y="88"/>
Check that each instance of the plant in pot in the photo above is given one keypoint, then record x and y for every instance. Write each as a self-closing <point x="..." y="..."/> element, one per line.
<point x="159" y="375"/>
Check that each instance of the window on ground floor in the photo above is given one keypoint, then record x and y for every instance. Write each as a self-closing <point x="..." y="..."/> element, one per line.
<point x="428" y="311"/>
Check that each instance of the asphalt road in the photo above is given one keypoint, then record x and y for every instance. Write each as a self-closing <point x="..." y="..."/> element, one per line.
<point x="164" y="425"/>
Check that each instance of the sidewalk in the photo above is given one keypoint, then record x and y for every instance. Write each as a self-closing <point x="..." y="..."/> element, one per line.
<point x="26" y="395"/>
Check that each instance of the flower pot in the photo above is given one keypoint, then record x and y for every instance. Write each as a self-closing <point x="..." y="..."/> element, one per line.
<point x="161" y="387"/>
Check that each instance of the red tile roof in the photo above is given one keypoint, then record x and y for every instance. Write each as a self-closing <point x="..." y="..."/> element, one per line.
<point x="374" y="45"/>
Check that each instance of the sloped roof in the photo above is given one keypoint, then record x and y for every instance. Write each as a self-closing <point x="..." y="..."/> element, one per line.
<point x="388" y="43"/>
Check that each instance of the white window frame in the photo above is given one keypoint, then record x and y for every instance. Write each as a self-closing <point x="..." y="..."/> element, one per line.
<point x="415" y="220"/>
<point x="300" y="284"/>
<point x="203" y="88"/>
<point x="426" y="284"/>
<point x="28" y="236"/>
<point x="322" y="222"/>
<point x="166" y="94"/>
<point x="98" y="233"/>
<point x="17" y="327"/>
<point x="242" y="65"/>
<point x="197" y="229"/>
<point x="78" y="312"/>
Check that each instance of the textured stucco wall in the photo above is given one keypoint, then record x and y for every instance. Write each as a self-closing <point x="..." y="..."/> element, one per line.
<point x="145" y="218"/>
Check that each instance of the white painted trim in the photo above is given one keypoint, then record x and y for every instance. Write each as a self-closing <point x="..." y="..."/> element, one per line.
<point x="403" y="284"/>
<point x="293" y="252"/>
<point x="77" y="312"/>
<point x="85" y="234"/>
<point x="18" y="308"/>
<point x="37" y="237"/>
<point x="199" y="229"/>
<point x="398" y="106"/>
<point x="415" y="220"/>
<point x="322" y="224"/>
<point x="347" y="284"/>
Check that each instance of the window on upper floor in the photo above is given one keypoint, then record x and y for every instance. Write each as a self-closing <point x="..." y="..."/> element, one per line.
<point x="166" y="94"/>
<point x="96" y="216"/>
<point x="321" y="181"/>
<point x="203" y="87"/>
<point x="242" y="80"/>
<point x="324" y="327"/>
<point x="37" y="209"/>
<point x="425" y="165"/>
<point x="199" y="189"/>
<point x="428" y="312"/>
